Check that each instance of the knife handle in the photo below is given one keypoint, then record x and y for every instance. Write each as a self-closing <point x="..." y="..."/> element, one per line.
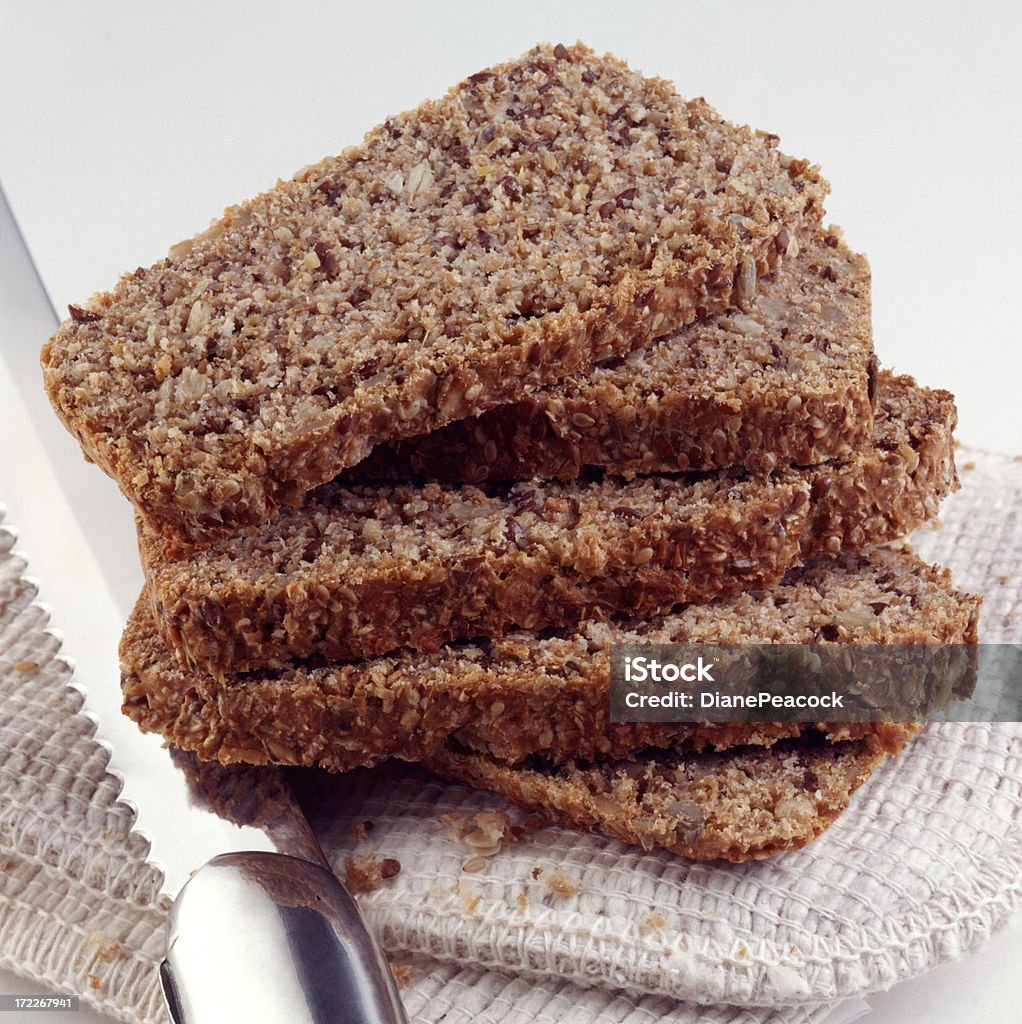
<point x="271" y="939"/>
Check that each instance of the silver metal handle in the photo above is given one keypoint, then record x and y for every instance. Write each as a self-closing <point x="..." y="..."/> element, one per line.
<point x="271" y="939"/>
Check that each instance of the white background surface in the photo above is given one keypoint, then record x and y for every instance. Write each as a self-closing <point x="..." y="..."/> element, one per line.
<point x="126" y="126"/>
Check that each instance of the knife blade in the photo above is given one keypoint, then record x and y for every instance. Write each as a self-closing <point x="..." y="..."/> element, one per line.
<point x="260" y="929"/>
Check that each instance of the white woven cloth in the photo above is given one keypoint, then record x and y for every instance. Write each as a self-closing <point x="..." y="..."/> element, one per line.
<point x="926" y="862"/>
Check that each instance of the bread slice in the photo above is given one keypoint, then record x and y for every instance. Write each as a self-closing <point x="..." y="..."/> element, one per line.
<point x="524" y="693"/>
<point x="788" y="382"/>
<point x="550" y="212"/>
<point x="737" y="805"/>
<point x="361" y="571"/>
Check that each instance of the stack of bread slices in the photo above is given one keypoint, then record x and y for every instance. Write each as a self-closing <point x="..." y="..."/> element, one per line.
<point x="556" y="362"/>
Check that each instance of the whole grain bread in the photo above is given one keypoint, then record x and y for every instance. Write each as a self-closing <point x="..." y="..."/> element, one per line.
<point x="788" y="382"/>
<point x="526" y="694"/>
<point x="896" y="483"/>
<point x="545" y="214"/>
<point x="737" y="805"/>
<point x="360" y="571"/>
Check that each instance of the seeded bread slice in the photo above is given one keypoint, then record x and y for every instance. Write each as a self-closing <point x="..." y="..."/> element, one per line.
<point x="744" y="804"/>
<point x="789" y="382"/>
<point x="551" y="212"/>
<point x="526" y="694"/>
<point x="361" y="571"/>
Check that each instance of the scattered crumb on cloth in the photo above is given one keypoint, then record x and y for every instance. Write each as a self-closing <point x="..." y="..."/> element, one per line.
<point x="403" y="974"/>
<point x="560" y="883"/>
<point x="366" y="873"/>
<point x="107" y="949"/>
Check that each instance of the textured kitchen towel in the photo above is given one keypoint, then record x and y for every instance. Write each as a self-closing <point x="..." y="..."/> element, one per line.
<point x="557" y="926"/>
<point x="79" y="907"/>
<point x="925" y="862"/>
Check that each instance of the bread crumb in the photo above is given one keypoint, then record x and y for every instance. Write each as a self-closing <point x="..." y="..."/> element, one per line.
<point x="1003" y="579"/>
<point x="366" y="873"/>
<point x="454" y="823"/>
<point x="26" y="667"/>
<point x="536" y="872"/>
<point x="968" y="467"/>
<point x="107" y="949"/>
<point x="469" y="900"/>
<point x="560" y="883"/>
<point x="656" y="920"/>
<point x="93" y="981"/>
<point x="492" y="829"/>
<point x="522" y="900"/>
<point x="362" y="830"/>
<point x="494" y="824"/>
<point x="403" y="974"/>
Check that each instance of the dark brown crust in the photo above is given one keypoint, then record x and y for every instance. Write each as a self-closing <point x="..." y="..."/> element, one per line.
<point x="785" y="383"/>
<point x="174" y="382"/>
<point x="745" y="804"/>
<point x="500" y="563"/>
<point x="521" y="694"/>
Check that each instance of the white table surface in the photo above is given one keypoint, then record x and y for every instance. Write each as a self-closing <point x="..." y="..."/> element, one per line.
<point x="125" y="127"/>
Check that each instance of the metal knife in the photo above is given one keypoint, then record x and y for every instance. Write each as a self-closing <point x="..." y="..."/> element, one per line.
<point x="260" y="929"/>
